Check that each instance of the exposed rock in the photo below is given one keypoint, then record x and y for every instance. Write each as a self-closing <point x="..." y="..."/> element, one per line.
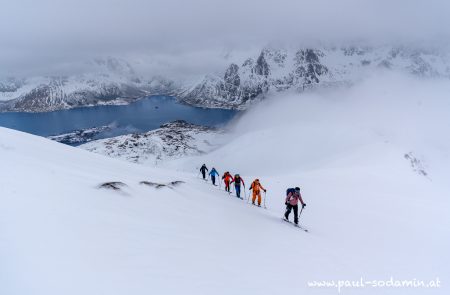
<point x="416" y="164"/>
<point x="172" y="140"/>
<point x="161" y="185"/>
<point x="78" y="137"/>
<point x="114" y="185"/>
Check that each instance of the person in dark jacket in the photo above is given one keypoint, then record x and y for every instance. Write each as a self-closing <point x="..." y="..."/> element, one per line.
<point x="203" y="169"/>
<point x="237" y="184"/>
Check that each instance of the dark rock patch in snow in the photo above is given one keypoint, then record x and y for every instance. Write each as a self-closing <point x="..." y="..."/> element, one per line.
<point x="81" y="136"/>
<point x="114" y="185"/>
<point x="176" y="183"/>
<point x="416" y="164"/>
<point x="161" y="185"/>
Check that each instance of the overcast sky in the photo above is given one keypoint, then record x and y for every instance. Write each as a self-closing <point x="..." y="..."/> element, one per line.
<point x="48" y="34"/>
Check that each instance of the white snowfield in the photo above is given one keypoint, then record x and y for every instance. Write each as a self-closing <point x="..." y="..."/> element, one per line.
<point x="371" y="213"/>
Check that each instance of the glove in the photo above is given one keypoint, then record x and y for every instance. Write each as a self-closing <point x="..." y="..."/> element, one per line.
<point x="265" y="190"/>
<point x="303" y="206"/>
<point x="250" y="189"/>
<point x="286" y="203"/>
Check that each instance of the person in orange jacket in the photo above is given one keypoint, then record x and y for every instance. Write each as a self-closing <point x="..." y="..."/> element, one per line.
<point x="257" y="187"/>
<point x="227" y="178"/>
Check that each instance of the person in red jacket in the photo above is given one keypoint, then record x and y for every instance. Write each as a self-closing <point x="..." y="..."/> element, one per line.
<point x="292" y="199"/>
<point x="227" y="178"/>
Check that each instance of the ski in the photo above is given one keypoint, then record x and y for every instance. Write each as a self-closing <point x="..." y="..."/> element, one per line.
<point x="296" y="225"/>
<point x="262" y="207"/>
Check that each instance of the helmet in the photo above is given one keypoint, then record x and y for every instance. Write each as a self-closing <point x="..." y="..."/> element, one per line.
<point x="297" y="189"/>
<point x="237" y="175"/>
<point x="257" y="179"/>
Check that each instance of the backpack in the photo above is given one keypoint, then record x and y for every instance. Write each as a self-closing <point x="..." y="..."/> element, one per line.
<point x="237" y="180"/>
<point x="290" y="190"/>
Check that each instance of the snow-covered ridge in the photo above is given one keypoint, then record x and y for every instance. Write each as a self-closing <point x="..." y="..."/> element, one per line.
<point x="238" y="86"/>
<point x="171" y="141"/>
<point x="108" y="81"/>
<point x="300" y="69"/>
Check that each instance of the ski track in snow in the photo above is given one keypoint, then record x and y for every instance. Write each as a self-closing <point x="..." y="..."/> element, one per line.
<point x="63" y="235"/>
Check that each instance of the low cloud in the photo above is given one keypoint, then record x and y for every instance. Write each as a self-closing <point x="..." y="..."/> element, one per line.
<point x="392" y="112"/>
<point x="46" y="35"/>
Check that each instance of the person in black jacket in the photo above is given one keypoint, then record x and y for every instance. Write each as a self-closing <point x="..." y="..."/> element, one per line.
<point x="237" y="185"/>
<point x="203" y="169"/>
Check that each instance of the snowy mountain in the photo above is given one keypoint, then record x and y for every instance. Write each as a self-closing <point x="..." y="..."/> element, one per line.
<point x="103" y="81"/>
<point x="173" y="140"/>
<point x="300" y="69"/>
<point x="245" y="81"/>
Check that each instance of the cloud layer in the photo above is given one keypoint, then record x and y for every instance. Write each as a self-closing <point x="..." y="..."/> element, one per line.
<point x="45" y="33"/>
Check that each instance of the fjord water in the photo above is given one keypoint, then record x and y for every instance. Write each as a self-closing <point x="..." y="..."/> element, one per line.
<point x="144" y="115"/>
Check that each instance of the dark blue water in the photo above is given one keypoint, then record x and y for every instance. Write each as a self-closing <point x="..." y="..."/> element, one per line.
<point x="143" y="115"/>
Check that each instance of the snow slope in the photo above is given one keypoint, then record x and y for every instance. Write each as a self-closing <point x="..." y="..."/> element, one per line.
<point x="360" y="156"/>
<point x="370" y="215"/>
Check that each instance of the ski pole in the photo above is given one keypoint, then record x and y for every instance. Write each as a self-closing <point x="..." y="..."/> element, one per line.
<point x="248" y="199"/>
<point x="245" y="191"/>
<point x="300" y="213"/>
<point x="265" y="200"/>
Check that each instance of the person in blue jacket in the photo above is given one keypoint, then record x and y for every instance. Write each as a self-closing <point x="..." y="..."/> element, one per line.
<point x="213" y="174"/>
